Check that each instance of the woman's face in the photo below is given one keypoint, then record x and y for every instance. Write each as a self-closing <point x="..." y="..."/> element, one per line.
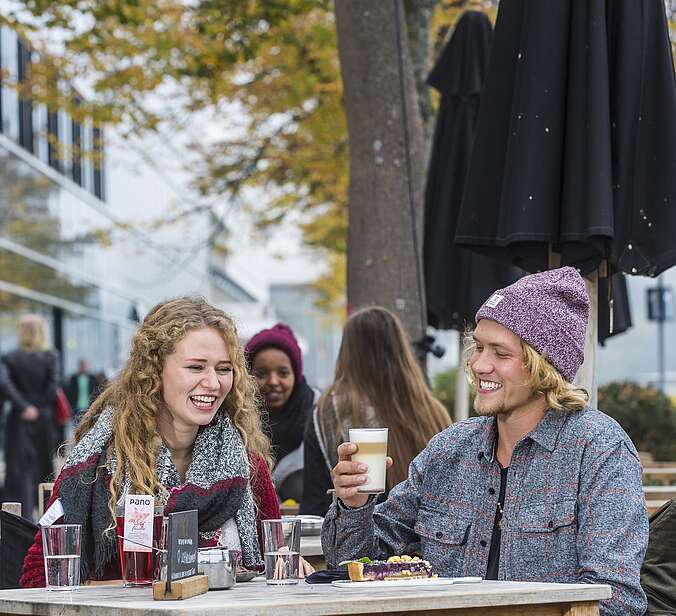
<point x="196" y="378"/>
<point x="274" y="374"/>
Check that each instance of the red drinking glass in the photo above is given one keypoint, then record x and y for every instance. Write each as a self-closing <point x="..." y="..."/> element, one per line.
<point x="138" y="568"/>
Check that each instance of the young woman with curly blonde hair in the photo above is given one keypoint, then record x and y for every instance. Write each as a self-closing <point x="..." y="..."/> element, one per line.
<point x="180" y="422"/>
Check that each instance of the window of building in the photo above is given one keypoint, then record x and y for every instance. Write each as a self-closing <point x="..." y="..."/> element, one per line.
<point x="53" y="150"/>
<point x="99" y="178"/>
<point x="76" y="148"/>
<point x="9" y="115"/>
<point x="25" y="104"/>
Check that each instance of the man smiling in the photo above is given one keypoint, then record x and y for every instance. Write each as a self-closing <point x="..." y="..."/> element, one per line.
<point x="539" y="487"/>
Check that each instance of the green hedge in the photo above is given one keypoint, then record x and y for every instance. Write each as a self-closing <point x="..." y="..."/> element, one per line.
<point x="648" y="416"/>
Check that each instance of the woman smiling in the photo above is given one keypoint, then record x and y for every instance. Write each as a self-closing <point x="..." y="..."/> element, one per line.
<point x="276" y="364"/>
<point x="179" y="423"/>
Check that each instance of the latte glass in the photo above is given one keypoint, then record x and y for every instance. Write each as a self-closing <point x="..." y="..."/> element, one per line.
<point x="371" y="450"/>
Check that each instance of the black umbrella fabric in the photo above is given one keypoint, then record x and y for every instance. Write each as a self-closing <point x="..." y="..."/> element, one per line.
<point x="456" y="280"/>
<point x="575" y="148"/>
<point x="614" y="313"/>
<point x="16" y="536"/>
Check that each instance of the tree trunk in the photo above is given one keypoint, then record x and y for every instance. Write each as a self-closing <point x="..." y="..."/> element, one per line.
<point x="419" y="14"/>
<point x="386" y="161"/>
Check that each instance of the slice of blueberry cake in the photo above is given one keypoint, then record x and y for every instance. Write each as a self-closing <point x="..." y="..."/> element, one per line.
<point x="394" y="568"/>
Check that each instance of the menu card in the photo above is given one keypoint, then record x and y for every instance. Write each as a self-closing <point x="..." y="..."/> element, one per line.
<point x="138" y="522"/>
<point x="181" y="546"/>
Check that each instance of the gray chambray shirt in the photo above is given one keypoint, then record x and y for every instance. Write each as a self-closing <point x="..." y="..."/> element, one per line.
<point x="574" y="509"/>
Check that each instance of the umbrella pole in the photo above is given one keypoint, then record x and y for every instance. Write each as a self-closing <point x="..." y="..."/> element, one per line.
<point x="586" y="375"/>
<point x="461" y="410"/>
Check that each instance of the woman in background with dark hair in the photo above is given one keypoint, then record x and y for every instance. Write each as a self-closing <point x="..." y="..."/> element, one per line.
<point x="29" y="381"/>
<point x="276" y="363"/>
<point x="377" y="383"/>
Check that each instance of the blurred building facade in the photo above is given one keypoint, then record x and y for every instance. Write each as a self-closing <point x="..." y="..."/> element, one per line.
<point x="63" y="252"/>
<point x="319" y="334"/>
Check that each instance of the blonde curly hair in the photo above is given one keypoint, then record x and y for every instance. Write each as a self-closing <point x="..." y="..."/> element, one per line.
<point x="543" y="377"/>
<point x="136" y="393"/>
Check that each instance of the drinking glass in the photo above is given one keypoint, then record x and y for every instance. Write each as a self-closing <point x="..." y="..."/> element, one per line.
<point x="140" y="564"/>
<point x="61" y="548"/>
<point x="371" y="450"/>
<point x="281" y="551"/>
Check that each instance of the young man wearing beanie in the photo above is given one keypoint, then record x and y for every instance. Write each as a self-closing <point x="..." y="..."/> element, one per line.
<point x="540" y="487"/>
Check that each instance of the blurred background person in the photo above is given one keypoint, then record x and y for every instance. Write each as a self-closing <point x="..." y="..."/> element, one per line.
<point x="276" y="363"/>
<point x="82" y="388"/>
<point x="29" y="381"/>
<point x="379" y="384"/>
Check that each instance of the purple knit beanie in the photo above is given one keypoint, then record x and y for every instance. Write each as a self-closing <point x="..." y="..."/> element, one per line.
<point x="280" y="337"/>
<point x="547" y="310"/>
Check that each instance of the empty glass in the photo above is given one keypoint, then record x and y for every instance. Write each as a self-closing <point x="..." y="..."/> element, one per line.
<point x="61" y="548"/>
<point x="281" y="550"/>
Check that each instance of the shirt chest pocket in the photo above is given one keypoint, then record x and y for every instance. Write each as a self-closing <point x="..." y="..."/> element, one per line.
<point x="546" y="535"/>
<point x="546" y="517"/>
<point x="443" y="540"/>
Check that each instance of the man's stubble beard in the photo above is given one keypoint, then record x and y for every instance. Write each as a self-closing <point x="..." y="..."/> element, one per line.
<point x="500" y="409"/>
<point x="492" y="412"/>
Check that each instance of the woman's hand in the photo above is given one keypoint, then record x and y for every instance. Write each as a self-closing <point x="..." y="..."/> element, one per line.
<point x="281" y="572"/>
<point x="30" y="413"/>
<point x="348" y="476"/>
<point x="305" y="568"/>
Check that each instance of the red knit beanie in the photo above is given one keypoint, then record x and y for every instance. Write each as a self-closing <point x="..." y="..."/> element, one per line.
<point x="280" y="337"/>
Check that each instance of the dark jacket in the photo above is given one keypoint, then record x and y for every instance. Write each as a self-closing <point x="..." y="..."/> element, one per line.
<point x="320" y="446"/>
<point x="286" y="428"/>
<point x="72" y="389"/>
<point x="658" y="574"/>
<point x="29" y="379"/>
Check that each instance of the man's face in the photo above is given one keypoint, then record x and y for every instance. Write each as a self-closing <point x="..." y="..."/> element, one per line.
<point x="502" y="380"/>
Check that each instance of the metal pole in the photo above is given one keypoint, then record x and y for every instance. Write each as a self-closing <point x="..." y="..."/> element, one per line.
<point x="586" y="375"/>
<point x="461" y="386"/>
<point x="660" y="335"/>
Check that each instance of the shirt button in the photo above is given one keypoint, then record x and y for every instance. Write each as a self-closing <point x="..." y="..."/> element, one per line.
<point x="439" y="534"/>
<point x="483" y="543"/>
<point x="480" y="456"/>
<point x="491" y="491"/>
<point x="551" y="524"/>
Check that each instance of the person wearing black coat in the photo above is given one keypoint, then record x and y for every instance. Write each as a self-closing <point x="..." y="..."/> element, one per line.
<point x="276" y="363"/>
<point x="29" y="380"/>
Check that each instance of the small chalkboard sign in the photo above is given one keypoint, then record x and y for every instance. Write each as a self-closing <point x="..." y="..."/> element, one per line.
<point x="181" y="546"/>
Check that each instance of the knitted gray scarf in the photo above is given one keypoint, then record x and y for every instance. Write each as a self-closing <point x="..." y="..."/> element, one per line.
<point x="217" y="485"/>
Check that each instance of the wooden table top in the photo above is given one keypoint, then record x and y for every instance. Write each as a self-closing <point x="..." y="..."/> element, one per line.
<point x="256" y="598"/>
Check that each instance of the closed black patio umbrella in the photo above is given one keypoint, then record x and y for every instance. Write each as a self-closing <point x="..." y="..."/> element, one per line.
<point x="575" y="148"/>
<point x="458" y="280"/>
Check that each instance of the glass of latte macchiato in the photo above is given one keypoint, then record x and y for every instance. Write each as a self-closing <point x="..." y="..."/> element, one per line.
<point x="371" y="450"/>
